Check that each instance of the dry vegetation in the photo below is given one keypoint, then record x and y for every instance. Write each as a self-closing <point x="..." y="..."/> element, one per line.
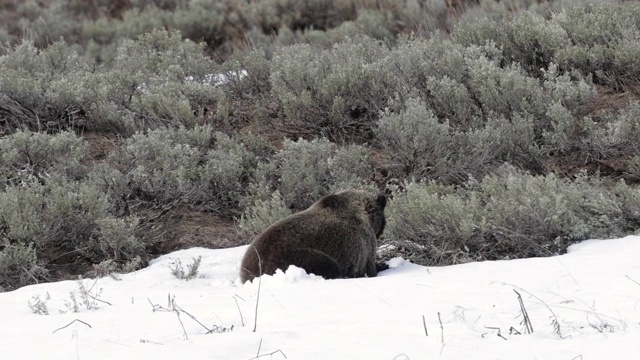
<point x="133" y="128"/>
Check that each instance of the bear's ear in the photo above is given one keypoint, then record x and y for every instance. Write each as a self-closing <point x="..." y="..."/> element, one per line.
<point x="381" y="200"/>
<point x="331" y="201"/>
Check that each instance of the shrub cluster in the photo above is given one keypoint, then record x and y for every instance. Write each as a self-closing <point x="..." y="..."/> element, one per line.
<point x="52" y="222"/>
<point x="341" y="92"/>
<point x="335" y="93"/>
<point x="171" y="167"/>
<point x="303" y="171"/>
<point x="30" y="157"/>
<point x="466" y="114"/>
<point x="157" y="80"/>
<point x="423" y="148"/>
<point x="59" y="227"/>
<point x="221" y="24"/>
<point x="597" y="40"/>
<point x="509" y="214"/>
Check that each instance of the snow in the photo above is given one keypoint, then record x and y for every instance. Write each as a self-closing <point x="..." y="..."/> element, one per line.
<point x="208" y="79"/>
<point x="593" y="293"/>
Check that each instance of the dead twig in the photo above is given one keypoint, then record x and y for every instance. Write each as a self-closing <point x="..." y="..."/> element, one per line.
<point x="555" y="322"/>
<point x="255" y="319"/>
<point x="157" y="307"/>
<point x="499" y="334"/>
<point x="525" y="316"/>
<point x="235" y="297"/>
<point x="441" y="333"/>
<point x="441" y="329"/>
<point x="424" y="324"/>
<point x="186" y="337"/>
<point x="69" y="324"/>
<point x="215" y="329"/>
<point x="638" y="283"/>
<point x="268" y="354"/>
<point x="178" y="308"/>
<point x="174" y="307"/>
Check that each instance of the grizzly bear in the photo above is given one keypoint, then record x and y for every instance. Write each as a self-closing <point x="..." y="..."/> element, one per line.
<point x="336" y="237"/>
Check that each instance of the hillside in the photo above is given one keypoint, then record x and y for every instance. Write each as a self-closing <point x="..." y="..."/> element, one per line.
<point x="131" y="129"/>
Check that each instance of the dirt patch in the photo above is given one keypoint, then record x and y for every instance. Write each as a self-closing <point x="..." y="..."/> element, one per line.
<point x="183" y="228"/>
<point x="606" y="101"/>
<point x="100" y="146"/>
<point x="206" y="230"/>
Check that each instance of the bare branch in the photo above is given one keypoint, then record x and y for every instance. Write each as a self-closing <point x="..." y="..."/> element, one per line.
<point x="69" y="324"/>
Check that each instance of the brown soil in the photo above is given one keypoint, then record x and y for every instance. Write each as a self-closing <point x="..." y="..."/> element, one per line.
<point x="200" y="229"/>
<point x="606" y="101"/>
<point x="100" y="145"/>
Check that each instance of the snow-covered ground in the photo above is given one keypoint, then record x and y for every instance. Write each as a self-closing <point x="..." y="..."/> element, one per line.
<point x="582" y="305"/>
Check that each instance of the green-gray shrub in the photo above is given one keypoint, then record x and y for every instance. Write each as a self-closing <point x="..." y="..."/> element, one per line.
<point x="185" y="166"/>
<point x="425" y="148"/>
<point x="303" y="171"/>
<point x="335" y="93"/>
<point x="528" y="40"/>
<point x="64" y="225"/>
<point x="272" y="15"/>
<point x="437" y="69"/>
<point x="104" y="34"/>
<point x="162" y="79"/>
<point x="431" y="224"/>
<point x="417" y="140"/>
<point x="504" y="91"/>
<point x="43" y="89"/>
<point x="179" y="272"/>
<point x="508" y="214"/>
<point x="18" y="265"/>
<point x="44" y="25"/>
<point x="32" y="156"/>
<point x="613" y="136"/>
<point x="501" y="140"/>
<point x="604" y="43"/>
<point x="162" y="55"/>
<point x="467" y="85"/>
<point x="215" y="22"/>
<point x="260" y="214"/>
<point x="158" y="79"/>
<point x="548" y="212"/>
<point x="116" y="237"/>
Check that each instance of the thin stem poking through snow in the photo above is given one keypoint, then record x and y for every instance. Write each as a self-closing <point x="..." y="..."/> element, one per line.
<point x="441" y="329"/>
<point x="255" y="318"/>
<point x="525" y="316"/>
<point x="235" y="297"/>
<point x="424" y="323"/>
<point x="632" y="280"/>
<point x="269" y="354"/>
<point x="186" y="337"/>
<point x="555" y="322"/>
<point x="441" y="333"/>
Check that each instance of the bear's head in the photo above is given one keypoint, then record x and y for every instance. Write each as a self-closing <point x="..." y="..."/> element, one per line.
<point x="358" y="200"/>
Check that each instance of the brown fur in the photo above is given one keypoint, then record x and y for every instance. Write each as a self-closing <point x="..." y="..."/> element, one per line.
<point x="335" y="238"/>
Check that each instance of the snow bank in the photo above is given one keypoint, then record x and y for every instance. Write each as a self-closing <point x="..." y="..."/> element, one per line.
<point x="582" y="305"/>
